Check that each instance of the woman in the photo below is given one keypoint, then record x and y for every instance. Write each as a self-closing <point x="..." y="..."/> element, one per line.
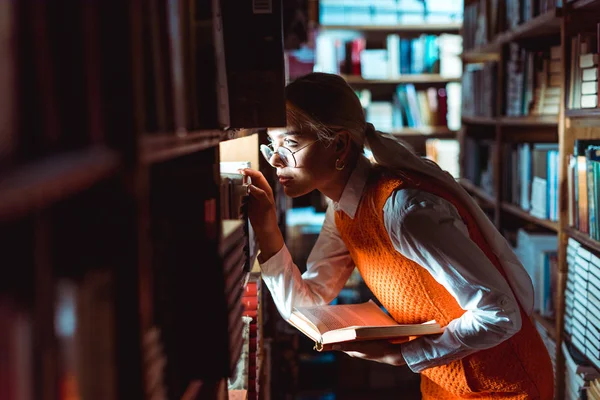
<point x="421" y="244"/>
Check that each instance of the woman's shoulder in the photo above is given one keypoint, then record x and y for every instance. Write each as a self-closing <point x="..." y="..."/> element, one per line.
<point x="404" y="200"/>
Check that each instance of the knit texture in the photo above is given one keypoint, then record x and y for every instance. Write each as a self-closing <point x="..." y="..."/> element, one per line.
<point x="518" y="368"/>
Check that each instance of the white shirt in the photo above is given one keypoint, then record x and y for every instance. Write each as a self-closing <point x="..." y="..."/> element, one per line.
<point x="428" y="230"/>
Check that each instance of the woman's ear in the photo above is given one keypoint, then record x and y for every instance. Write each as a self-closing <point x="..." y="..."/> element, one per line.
<point x="342" y="143"/>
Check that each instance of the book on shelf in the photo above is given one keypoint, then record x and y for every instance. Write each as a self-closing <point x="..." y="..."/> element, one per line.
<point x="583" y="178"/>
<point x="583" y="79"/>
<point x="479" y="90"/>
<point x="332" y="324"/>
<point x="445" y="153"/>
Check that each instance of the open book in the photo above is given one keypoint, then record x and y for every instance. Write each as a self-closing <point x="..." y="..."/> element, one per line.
<point x="328" y="325"/>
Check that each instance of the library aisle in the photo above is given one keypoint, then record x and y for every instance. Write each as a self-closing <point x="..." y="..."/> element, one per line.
<point x="130" y="268"/>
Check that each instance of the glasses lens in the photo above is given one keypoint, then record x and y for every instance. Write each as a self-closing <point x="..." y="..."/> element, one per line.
<point x="286" y="156"/>
<point x="266" y="152"/>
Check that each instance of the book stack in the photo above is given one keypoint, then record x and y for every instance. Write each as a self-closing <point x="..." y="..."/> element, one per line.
<point x="593" y="392"/>
<point x="479" y="90"/>
<point x="444" y="153"/>
<point x="478" y="167"/>
<point x="410" y="108"/>
<point x="583" y="85"/>
<point x="251" y="303"/>
<point x="234" y="259"/>
<point x="546" y="99"/>
<point x="582" y="314"/>
<point x="538" y="254"/>
<point x="578" y="374"/>
<point x="583" y="179"/>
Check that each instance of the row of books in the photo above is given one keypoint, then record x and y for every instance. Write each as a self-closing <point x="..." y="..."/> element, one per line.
<point x="485" y="19"/>
<point x="538" y="252"/>
<point x="583" y="179"/>
<point x="341" y="52"/>
<point x="479" y="167"/>
<point x="445" y="153"/>
<point x="581" y="380"/>
<point x="247" y="373"/>
<point x="582" y="314"/>
<point x="479" y="90"/>
<point x="409" y="108"/>
<point x="531" y="178"/>
<point x="533" y="81"/>
<point x="388" y="12"/>
<point x="583" y="79"/>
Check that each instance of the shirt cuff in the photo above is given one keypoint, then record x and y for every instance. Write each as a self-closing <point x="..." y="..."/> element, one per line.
<point x="277" y="263"/>
<point x="414" y="356"/>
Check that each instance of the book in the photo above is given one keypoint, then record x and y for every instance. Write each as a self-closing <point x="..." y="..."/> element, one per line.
<point x="332" y="324"/>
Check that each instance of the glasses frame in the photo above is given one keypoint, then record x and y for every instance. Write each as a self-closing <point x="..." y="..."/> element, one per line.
<point x="283" y="157"/>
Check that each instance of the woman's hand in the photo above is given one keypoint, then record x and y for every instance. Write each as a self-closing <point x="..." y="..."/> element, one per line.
<point x="381" y="351"/>
<point x="263" y="214"/>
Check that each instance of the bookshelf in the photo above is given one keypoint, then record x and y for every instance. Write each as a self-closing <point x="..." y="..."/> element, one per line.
<point x="429" y="28"/>
<point x="504" y="133"/>
<point x="417" y="79"/>
<point x="125" y="280"/>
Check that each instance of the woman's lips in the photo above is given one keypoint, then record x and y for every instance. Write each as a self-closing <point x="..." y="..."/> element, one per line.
<point x="284" y="180"/>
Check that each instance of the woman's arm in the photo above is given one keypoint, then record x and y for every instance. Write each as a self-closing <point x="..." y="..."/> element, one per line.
<point x="429" y="231"/>
<point x="329" y="264"/>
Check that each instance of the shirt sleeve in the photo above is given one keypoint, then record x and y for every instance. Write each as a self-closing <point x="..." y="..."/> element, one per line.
<point x="428" y="230"/>
<point x="329" y="266"/>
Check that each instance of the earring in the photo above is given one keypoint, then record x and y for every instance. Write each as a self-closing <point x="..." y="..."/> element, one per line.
<point x="339" y="167"/>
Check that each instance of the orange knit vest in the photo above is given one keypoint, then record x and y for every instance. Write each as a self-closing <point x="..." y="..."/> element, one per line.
<point x="518" y="368"/>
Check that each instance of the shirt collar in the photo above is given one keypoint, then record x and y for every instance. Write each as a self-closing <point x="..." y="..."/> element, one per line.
<point x="354" y="187"/>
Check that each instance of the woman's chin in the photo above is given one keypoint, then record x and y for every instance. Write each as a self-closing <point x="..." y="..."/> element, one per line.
<point x="294" y="191"/>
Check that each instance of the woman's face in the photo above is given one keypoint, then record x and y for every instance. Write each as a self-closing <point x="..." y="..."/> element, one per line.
<point x="315" y="161"/>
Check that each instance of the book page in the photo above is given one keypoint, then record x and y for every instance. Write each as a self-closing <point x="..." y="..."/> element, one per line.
<point x="328" y="318"/>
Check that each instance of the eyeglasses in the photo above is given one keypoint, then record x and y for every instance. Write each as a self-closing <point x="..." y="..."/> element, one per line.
<point x="285" y="155"/>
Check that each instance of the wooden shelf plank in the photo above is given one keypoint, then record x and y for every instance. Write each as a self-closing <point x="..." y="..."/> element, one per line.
<point x="45" y="182"/>
<point x="479" y="120"/>
<point x="585" y="4"/>
<point x="547" y="24"/>
<point x="519" y="212"/>
<point x="402" y="79"/>
<point x="162" y="147"/>
<point x="548" y="324"/>
<point x="530" y="120"/>
<point x="427" y="131"/>
<point x="583" y="238"/>
<point x="408" y="28"/>
<point x="583" y="113"/>
<point x="477" y="191"/>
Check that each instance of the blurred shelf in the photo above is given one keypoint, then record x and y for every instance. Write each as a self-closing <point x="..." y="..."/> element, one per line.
<point x="585" y="4"/>
<point x="426" y="131"/>
<point x="547" y="24"/>
<point x="548" y="324"/>
<point x="583" y="113"/>
<point x="408" y="78"/>
<point x="583" y="238"/>
<point x="479" y="120"/>
<point x="408" y="28"/>
<point x="530" y="120"/>
<point x="519" y="212"/>
<point x="589" y="363"/>
<point x="164" y="146"/>
<point x="42" y="183"/>
<point x="477" y="191"/>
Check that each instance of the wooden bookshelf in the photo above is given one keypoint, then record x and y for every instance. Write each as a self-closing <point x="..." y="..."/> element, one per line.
<point x="583" y="238"/>
<point x="549" y="29"/>
<point x="479" y="120"/>
<point x="524" y="215"/>
<point x="417" y="79"/>
<point x="162" y="147"/>
<point x="410" y="29"/>
<point x="429" y="131"/>
<point x="477" y="191"/>
<point x="38" y="185"/>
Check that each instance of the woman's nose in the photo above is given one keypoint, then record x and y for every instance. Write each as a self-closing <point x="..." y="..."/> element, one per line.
<point x="277" y="161"/>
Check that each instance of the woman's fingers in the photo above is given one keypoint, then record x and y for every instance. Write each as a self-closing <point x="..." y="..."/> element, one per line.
<point x="258" y="179"/>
